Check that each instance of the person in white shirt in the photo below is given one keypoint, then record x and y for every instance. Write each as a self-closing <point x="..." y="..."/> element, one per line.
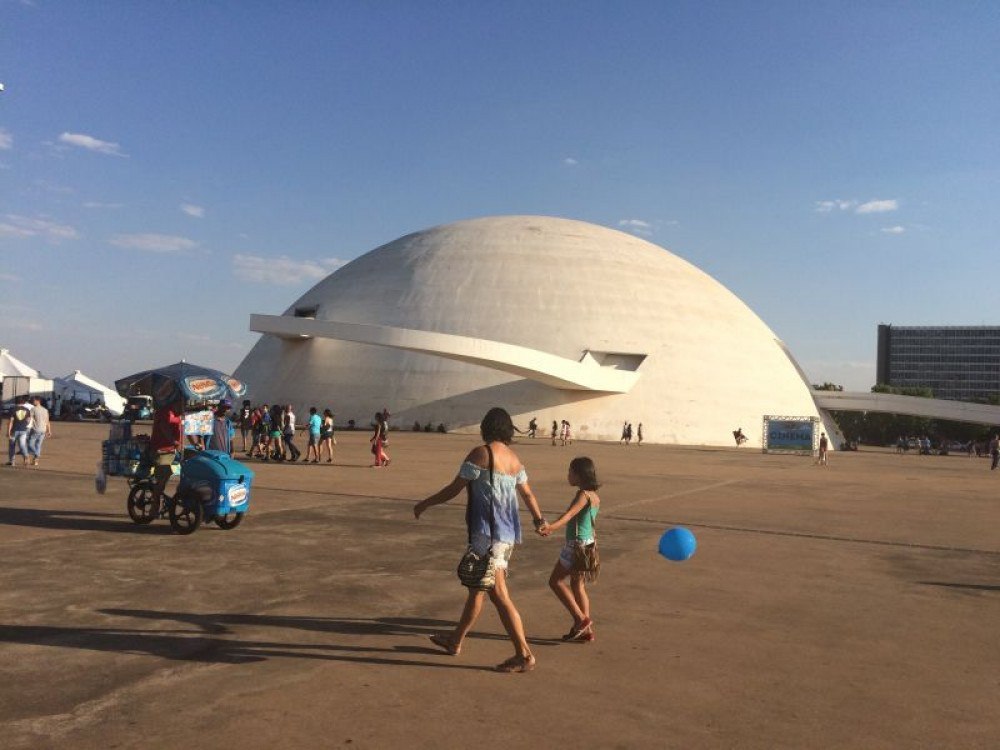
<point x="288" y="433"/>
<point x="41" y="428"/>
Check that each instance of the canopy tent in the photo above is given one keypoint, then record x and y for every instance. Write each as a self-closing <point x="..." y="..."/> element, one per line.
<point x="20" y="379"/>
<point x="79" y="386"/>
<point x="11" y="365"/>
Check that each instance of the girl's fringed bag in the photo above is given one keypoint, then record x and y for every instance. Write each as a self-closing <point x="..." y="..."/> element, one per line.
<point x="586" y="558"/>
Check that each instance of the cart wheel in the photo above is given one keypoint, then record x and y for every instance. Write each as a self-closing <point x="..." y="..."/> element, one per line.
<point x="229" y="521"/>
<point x="142" y="508"/>
<point x="185" y="513"/>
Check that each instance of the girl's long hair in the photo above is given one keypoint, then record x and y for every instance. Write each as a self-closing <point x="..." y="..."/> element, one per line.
<point x="585" y="471"/>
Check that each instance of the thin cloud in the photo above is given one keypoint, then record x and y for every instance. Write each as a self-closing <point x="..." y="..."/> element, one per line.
<point x="51" y="187"/>
<point x="569" y="161"/>
<point x="190" y="209"/>
<point x="636" y="226"/>
<point x="91" y="144"/>
<point x="283" y="269"/>
<point x="6" y="140"/>
<point x="877" y="206"/>
<point x="24" y="325"/>
<point x="9" y="277"/>
<point x="893" y="230"/>
<point x="154" y="243"/>
<point x="23" y="227"/>
<point x="99" y="204"/>
<point x="837" y="204"/>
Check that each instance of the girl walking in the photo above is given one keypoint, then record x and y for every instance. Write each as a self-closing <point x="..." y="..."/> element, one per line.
<point x="326" y="438"/>
<point x="494" y="478"/>
<point x="579" y="522"/>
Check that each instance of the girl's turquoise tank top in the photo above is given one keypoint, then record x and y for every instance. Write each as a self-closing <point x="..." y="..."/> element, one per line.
<point x="581" y="528"/>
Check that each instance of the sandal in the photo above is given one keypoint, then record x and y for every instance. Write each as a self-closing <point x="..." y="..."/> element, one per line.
<point x="577" y="632"/>
<point x="442" y="641"/>
<point x="517" y="663"/>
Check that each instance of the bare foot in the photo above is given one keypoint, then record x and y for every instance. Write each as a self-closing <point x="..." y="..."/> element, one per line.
<point x="517" y="663"/>
<point x="444" y="642"/>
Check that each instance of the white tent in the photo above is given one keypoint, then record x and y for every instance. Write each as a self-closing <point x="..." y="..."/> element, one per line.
<point x="79" y="386"/>
<point x="11" y="365"/>
<point x="19" y="379"/>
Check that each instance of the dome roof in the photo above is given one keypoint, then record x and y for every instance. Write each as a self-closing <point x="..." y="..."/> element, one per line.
<point x="704" y="363"/>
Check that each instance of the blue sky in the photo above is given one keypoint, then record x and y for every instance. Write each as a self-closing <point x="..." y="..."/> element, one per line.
<point x="166" y="169"/>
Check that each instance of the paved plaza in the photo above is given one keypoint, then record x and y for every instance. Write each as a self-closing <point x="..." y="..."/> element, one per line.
<point x="852" y="606"/>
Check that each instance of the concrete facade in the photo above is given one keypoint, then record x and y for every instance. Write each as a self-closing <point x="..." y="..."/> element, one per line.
<point x="694" y="361"/>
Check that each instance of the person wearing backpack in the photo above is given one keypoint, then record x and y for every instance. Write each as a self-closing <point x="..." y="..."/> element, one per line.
<point x="18" y="426"/>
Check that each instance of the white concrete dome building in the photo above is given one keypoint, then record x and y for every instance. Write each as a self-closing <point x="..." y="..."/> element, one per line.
<point x="549" y="318"/>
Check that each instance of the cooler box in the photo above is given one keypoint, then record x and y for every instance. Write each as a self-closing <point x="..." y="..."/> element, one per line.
<point x="222" y="483"/>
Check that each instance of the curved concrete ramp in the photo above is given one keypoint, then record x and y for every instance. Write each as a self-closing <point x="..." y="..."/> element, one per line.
<point x="558" y="372"/>
<point x="914" y="406"/>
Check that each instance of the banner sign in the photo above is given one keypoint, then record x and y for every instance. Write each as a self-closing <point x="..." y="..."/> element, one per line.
<point x="198" y="423"/>
<point x="796" y="435"/>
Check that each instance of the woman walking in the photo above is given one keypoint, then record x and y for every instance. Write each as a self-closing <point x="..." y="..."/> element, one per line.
<point x="272" y="449"/>
<point x="378" y="440"/>
<point x="326" y="436"/>
<point x="494" y="478"/>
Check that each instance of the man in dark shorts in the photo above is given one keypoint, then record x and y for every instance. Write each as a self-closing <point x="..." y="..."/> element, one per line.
<point x="167" y="437"/>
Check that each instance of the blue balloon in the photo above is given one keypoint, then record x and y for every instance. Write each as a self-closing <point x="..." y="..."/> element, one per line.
<point x="678" y="544"/>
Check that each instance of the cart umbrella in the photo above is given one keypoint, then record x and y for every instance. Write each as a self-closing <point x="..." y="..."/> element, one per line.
<point x="182" y="379"/>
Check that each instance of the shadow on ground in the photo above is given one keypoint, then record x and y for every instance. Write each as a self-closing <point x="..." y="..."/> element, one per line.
<point x="969" y="586"/>
<point x="206" y="644"/>
<point x="75" y="520"/>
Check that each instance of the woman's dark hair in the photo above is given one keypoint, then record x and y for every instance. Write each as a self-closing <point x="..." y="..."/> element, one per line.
<point x="327" y="413"/>
<point x="585" y="471"/>
<point x="497" y="426"/>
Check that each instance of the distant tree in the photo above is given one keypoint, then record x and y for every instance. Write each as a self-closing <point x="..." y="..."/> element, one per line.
<point x="827" y="387"/>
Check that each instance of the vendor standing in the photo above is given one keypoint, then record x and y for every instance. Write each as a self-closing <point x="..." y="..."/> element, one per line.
<point x="166" y="439"/>
<point x="221" y="439"/>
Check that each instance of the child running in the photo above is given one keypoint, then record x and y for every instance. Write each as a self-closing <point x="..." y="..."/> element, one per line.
<point x="579" y="522"/>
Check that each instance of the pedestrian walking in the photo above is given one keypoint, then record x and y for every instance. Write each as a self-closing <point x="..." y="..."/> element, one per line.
<point x="326" y="436"/>
<point x="18" y="425"/>
<point x="246" y="423"/>
<point x="824" y="446"/>
<point x="378" y="440"/>
<point x="288" y="435"/>
<point x="577" y="560"/>
<point x="494" y="478"/>
<point x="315" y="424"/>
<point x="41" y="428"/>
